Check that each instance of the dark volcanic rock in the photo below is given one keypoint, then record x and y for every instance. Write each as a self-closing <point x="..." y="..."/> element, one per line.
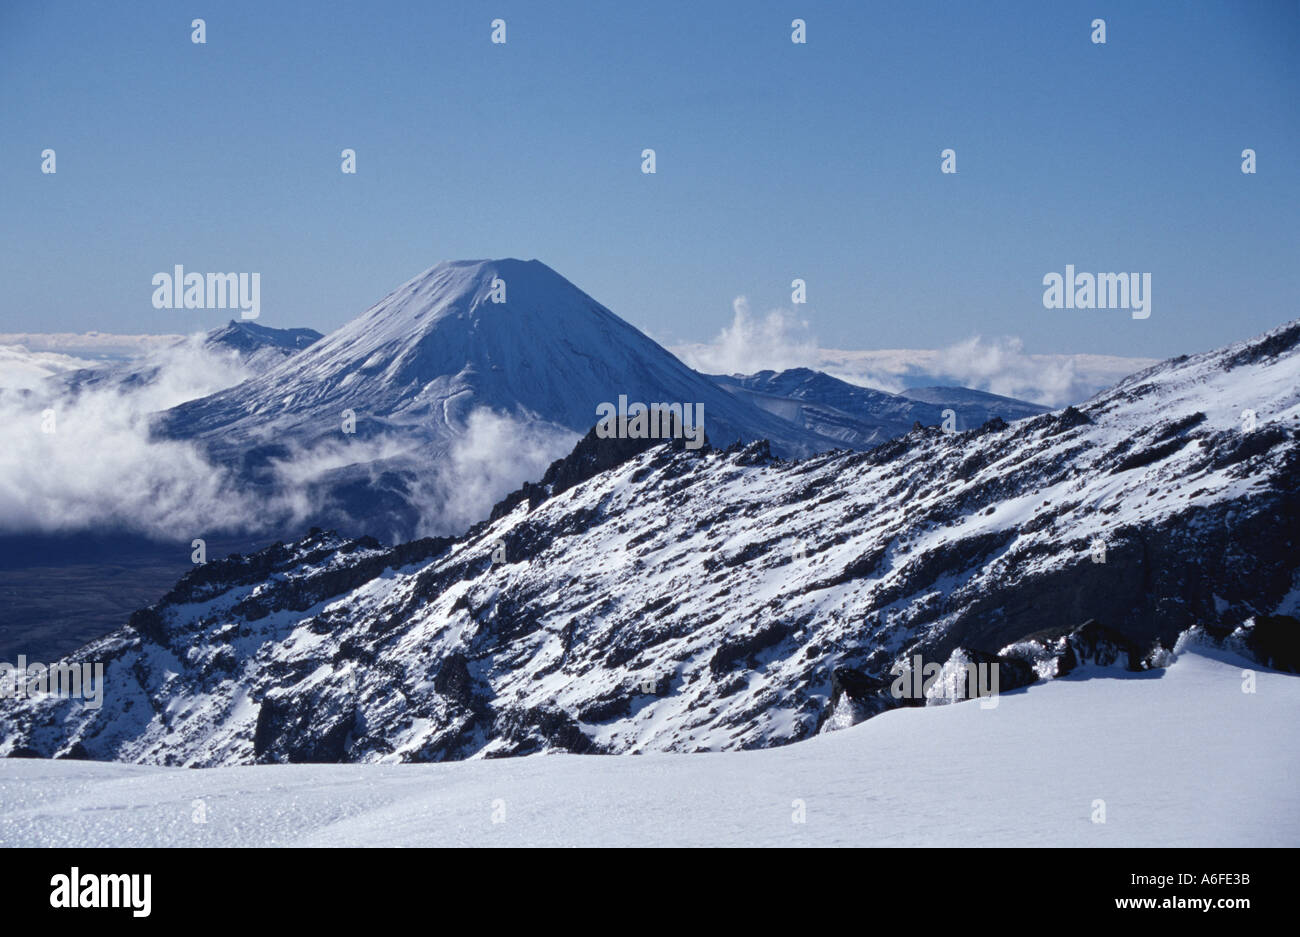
<point x="1275" y="641"/>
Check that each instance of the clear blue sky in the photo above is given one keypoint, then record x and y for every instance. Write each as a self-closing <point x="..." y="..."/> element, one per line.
<point x="775" y="160"/>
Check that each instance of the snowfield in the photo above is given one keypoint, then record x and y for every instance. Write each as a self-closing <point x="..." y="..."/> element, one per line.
<point x="1180" y="759"/>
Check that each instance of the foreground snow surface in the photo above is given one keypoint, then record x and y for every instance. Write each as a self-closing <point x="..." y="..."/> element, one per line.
<point x="1183" y="759"/>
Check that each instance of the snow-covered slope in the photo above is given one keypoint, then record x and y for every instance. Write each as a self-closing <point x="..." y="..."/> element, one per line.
<point x="249" y="337"/>
<point x="861" y="417"/>
<point x="1184" y="760"/>
<point x="714" y="600"/>
<point x="973" y="407"/>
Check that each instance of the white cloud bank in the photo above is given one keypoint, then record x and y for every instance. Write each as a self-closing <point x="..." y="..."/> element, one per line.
<point x="85" y="459"/>
<point x="494" y="457"/>
<point x="780" y="339"/>
<point x="456" y="483"/>
<point x="24" y="369"/>
<point x="777" y="340"/>
<point x="90" y="344"/>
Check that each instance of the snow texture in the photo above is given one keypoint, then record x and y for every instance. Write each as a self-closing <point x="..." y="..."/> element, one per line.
<point x="1187" y="759"/>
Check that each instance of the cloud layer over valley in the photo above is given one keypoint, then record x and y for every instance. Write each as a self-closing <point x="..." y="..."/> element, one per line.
<point x="779" y="339"/>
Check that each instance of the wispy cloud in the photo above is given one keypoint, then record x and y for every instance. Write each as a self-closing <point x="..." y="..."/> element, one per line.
<point x="1001" y="366"/>
<point x="84" y="458"/>
<point x="496" y="454"/>
<point x="780" y="339"/>
<point x="90" y="344"/>
<point x="98" y="469"/>
<point x="24" y="369"/>
<point x="998" y="366"/>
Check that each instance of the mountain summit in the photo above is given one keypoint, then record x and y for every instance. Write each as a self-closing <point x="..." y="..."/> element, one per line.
<point x="510" y="335"/>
